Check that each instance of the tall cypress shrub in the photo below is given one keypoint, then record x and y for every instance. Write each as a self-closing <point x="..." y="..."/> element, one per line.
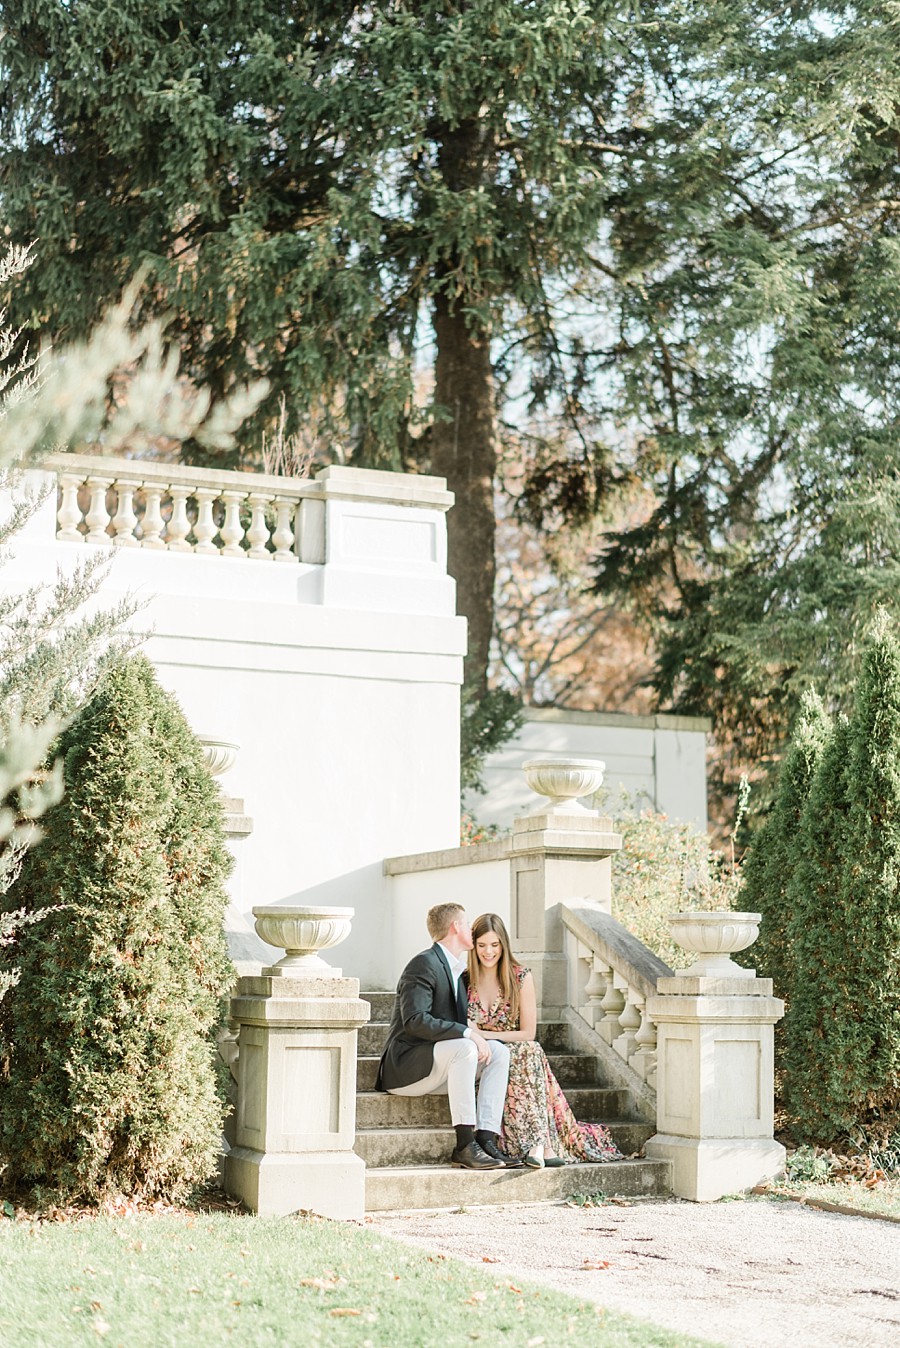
<point x="865" y="1078"/>
<point x="772" y="858"/>
<point x="816" y="933"/>
<point x="112" y="1084"/>
<point x="844" y="1025"/>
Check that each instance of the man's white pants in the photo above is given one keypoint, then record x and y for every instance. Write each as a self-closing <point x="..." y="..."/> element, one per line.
<point x="455" y="1071"/>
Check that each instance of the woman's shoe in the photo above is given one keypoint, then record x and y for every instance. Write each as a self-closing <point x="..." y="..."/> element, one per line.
<point x="533" y="1161"/>
<point x="554" y="1160"/>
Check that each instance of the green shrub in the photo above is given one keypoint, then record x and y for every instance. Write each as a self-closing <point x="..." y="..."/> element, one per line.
<point x="843" y="1032"/>
<point x="817" y="932"/>
<point x="662" y="869"/>
<point x="112" y="1084"/>
<point x="769" y="865"/>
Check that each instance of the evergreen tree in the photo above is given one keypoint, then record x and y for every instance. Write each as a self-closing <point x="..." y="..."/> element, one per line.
<point x="756" y="361"/>
<point x="844" y="1026"/>
<point x="769" y="865"/>
<point x="308" y="184"/>
<point x="111" y="1085"/>
<point x="817" y="932"/>
<point x="866" y="1073"/>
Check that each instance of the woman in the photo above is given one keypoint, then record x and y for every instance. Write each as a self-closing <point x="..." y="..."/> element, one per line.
<point x="538" y="1124"/>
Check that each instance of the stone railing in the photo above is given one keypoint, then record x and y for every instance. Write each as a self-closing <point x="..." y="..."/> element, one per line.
<point x="163" y="507"/>
<point x="355" y="518"/>
<point x="611" y="977"/>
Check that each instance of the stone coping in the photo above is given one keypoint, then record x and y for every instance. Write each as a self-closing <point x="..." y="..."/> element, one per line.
<point x="707" y="985"/>
<point x="333" y="482"/>
<point x="626" y="720"/>
<point x="612" y="942"/>
<point x="557" y="834"/>
<point x="730" y="1009"/>
<point x="476" y="854"/>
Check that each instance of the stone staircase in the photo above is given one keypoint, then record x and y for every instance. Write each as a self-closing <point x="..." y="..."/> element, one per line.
<point x="406" y="1141"/>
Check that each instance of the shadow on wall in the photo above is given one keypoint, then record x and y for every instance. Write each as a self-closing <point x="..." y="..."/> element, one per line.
<point x="368" y="952"/>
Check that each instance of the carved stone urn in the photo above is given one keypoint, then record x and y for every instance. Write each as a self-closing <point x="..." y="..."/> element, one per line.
<point x="218" y="755"/>
<point x="563" y="780"/>
<point x="713" y="938"/>
<point x="302" y="933"/>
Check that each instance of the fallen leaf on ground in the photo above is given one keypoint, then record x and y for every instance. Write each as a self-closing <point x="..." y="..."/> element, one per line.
<point x="475" y="1299"/>
<point x="595" y="1263"/>
<point x="344" y="1310"/>
<point x="489" y="1259"/>
<point x="326" y="1284"/>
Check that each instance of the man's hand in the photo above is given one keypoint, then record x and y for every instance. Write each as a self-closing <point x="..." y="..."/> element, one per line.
<point x="484" y="1048"/>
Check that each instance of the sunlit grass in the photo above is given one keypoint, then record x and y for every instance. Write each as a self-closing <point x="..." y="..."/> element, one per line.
<point x="204" y="1279"/>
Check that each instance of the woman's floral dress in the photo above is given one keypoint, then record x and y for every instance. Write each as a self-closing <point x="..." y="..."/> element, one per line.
<point x="536" y="1111"/>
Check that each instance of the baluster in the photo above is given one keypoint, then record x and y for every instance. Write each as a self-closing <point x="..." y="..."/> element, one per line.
<point x="97" y="518"/>
<point x="258" y="533"/>
<point x="179" y="525"/>
<point x="232" y="530"/>
<point x="125" y="520"/>
<point x="152" y="524"/>
<point x="69" y="514"/>
<point x="644" y="1060"/>
<point x="283" y="536"/>
<point x="205" y="527"/>
<point x="594" y="990"/>
<point x="612" y="1004"/>
<point x="630" y="1022"/>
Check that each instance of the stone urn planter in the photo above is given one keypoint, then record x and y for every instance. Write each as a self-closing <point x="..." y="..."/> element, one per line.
<point x="302" y="933"/>
<point x="713" y="938"/>
<point x="563" y="780"/>
<point x="218" y="755"/>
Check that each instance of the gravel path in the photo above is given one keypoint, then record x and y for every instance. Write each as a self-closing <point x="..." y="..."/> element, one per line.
<point x="754" y="1274"/>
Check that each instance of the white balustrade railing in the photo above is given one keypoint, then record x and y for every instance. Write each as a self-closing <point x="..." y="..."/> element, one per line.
<point x="611" y="976"/>
<point x="171" y="508"/>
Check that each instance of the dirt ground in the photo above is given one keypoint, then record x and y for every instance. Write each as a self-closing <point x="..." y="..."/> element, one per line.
<point x="757" y="1273"/>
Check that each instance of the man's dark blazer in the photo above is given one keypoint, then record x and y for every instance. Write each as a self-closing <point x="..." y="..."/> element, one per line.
<point x="426" y="1011"/>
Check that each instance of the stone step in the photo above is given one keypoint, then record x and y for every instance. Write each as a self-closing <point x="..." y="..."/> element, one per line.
<point x="554" y="1035"/>
<point x="395" y="1189"/>
<point x="382" y="1004"/>
<point x="383" y="1147"/>
<point x="375" y="1109"/>
<point x="570" y="1069"/>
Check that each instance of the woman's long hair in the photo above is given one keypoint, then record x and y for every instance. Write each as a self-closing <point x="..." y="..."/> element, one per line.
<point x="506" y="965"/>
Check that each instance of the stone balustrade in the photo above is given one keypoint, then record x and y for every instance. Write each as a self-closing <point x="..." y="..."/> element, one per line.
<point x="612" y="976"/>
<point x="163" y="507"/>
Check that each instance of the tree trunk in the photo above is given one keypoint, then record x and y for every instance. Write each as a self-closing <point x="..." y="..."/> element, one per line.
<point x="464" y="451"/>
<point x="464" y="436"/>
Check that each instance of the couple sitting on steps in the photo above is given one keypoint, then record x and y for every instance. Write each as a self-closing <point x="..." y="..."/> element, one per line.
<point x="466" y="1013"/>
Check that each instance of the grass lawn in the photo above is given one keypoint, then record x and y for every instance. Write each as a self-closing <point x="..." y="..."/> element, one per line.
<point x="206" y="1278"/>
<point x="882" y="1200"/>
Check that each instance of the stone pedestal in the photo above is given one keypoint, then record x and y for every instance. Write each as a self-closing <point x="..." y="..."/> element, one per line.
<point x="557" y="857"/>
<point x="715" y="1086"/>
<point x="296" y="1114"/>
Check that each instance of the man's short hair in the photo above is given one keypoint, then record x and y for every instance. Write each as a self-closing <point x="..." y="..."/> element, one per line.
<point x="440" y="919"/>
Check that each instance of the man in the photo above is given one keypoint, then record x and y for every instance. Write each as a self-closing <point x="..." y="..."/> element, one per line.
<point x="431" y="1048"/>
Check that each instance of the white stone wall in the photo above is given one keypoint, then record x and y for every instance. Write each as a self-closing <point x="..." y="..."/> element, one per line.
<point x="658" y="760"/>
<point x="339" y="680"/>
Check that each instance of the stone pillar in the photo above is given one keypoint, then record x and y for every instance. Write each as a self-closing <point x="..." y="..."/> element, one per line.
<point x="296" y="1113"/>
<point x="557" y="857"/>
<point x="715" y="1085"/>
